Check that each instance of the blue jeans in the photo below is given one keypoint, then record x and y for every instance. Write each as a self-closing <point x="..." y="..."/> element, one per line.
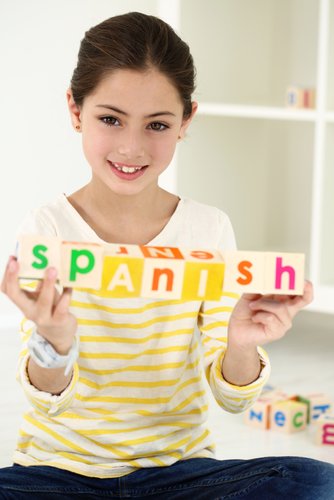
<point x="266" y="478"/>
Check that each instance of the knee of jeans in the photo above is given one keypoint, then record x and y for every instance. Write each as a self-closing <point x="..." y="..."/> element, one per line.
<point x="311" y="471"/>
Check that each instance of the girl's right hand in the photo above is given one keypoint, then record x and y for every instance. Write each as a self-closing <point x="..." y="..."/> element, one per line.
<point x="45" y="306"/>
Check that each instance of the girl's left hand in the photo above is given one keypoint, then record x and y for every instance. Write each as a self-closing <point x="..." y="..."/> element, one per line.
<point x="259" y="319"/>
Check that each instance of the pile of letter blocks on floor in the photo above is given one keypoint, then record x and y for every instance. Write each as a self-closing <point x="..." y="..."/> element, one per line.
<point x="276" y="410"/>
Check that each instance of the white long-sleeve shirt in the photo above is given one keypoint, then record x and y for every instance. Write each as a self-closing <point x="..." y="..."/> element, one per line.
<point x="137" y="397"/>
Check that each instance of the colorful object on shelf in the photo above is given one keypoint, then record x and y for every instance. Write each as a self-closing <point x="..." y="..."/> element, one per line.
<point x="160" y="272"/>
<point x="300" y="98"/>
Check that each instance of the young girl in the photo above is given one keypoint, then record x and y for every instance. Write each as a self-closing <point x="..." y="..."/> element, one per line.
<point x="127" y="417"/>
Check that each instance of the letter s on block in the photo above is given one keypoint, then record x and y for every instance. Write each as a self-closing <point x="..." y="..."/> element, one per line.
<point x="243" y="269"/>
<point x="38" y="253"/>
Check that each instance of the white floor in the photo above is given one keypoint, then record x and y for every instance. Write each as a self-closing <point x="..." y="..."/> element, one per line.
<point x="302" y="362"/>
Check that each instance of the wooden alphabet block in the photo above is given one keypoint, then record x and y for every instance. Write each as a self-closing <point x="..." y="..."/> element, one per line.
<point x="37" y="253"/>
<point x="259" y="415"/>
<point x="317" y="405"/>
<point x="325" y="430"/>
<point x="244" y="272"/>
<point x="160" y="272"/>
<point x="288" y="416"/>
<point x="284" y="273"/>
<point x="82" y="265"/>
<point x="203" y="275"/>
<point x="300" y="97"/>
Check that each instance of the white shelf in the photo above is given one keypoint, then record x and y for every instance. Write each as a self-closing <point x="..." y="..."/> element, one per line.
<point x="329" y="116"/>
<point x="270" y="113"/>
<point x="323" y="300"/>
<point x="268" y="166"/>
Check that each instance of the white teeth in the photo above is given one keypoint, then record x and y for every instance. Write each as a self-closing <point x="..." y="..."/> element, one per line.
<point x="127" y="170"/>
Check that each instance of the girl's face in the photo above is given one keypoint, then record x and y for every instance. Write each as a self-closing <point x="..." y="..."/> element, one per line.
<point x="130" y="126"/>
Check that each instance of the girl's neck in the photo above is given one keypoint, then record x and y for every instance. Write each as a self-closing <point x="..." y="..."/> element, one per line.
<point x="129" y="219"/>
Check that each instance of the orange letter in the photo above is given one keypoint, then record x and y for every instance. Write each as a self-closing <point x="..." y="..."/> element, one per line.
<point x="169" y="275"/>
<point x="242" y="268"/>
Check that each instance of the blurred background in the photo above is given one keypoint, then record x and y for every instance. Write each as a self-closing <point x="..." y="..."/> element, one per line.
<point x="256" y="149"/>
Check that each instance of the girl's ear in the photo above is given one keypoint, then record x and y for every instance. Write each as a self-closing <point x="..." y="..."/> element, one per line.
<point x="187" y="121"/>
<point x="74" y="110"/>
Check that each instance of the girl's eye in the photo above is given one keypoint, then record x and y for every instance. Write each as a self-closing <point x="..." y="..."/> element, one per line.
<point x="158" y="127"/>
<point x="110" y="121"/>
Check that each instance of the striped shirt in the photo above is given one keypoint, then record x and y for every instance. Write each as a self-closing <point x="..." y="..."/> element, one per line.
<point x="137" y="397"/>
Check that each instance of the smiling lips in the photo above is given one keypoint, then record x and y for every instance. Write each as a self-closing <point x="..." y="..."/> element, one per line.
<point x="127" y="171"/>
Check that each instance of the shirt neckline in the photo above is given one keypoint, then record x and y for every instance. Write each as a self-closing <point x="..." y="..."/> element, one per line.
<point x="158" y="239"/>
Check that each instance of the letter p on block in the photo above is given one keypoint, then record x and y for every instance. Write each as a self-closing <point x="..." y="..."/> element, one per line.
<point x="82" y="265"/>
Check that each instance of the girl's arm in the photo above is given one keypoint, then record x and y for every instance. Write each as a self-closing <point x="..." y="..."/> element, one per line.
<point x="257" y="320"/>
<point x="50" y="312"/>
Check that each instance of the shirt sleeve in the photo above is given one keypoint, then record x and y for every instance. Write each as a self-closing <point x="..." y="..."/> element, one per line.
<point x="45" y="402"/>
<point x="213" y="322"/>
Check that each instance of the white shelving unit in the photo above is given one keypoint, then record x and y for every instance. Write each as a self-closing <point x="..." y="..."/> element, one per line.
<point x="270" y="168"/>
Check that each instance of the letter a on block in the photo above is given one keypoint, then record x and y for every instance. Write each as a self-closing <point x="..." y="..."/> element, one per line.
<point x="36" y="253"/>
<point x="122" y="276"/>
<point x="82" y="265"/>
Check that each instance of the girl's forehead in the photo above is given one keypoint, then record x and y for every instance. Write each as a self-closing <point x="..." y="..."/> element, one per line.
<point x="144" y="87"/>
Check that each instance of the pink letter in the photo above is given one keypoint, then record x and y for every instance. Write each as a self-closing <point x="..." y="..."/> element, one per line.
<point x="284" y="269"/>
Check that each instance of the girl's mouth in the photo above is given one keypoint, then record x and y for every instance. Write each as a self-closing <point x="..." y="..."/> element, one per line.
<point x="128" y="172"/>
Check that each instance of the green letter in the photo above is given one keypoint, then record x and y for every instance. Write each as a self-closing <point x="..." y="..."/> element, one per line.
<point x="36" y="252"/>
<point x="75" y="255"/>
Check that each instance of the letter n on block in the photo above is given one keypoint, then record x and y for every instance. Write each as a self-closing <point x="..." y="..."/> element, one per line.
<point x="258" y="415"/>
<point x="162" y="278"/>
<point x="81" y="265"/>
<point x="36" y="253"/>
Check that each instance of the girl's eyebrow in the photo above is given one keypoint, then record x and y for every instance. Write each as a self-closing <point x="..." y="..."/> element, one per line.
<point x="113" y="108"/>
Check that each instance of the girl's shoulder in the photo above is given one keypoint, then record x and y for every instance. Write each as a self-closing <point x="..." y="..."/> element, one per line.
<point x="203" y="225"/>
<point x="55" y="218"/>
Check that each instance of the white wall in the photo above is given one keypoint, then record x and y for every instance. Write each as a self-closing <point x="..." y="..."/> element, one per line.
<point x="40" y="154"/>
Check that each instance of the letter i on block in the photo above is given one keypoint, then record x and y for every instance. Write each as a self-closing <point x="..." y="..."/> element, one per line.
<point x="284" y="273"/>
<point x="36" y="253"/>
<point x="82" y="265"/>
<point x="204" y="275"/>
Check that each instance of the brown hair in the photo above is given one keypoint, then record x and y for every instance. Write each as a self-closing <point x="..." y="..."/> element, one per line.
<point x="133" y="41"/>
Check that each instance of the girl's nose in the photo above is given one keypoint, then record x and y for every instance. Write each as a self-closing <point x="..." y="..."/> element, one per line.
<point x="131" y="145"/>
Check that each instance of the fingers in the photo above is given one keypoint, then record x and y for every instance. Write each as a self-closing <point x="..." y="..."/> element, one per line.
<point x="62" y="307"/>
<point x="279" y="311"/>
<point x="10" y="286"/>
<point x="36" y="305"/>
<point x="46" y="297"/>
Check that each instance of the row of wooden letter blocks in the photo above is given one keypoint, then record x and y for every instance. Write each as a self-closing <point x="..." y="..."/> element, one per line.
<point x="278" y="411"/>
<point x="161" y="272"/>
